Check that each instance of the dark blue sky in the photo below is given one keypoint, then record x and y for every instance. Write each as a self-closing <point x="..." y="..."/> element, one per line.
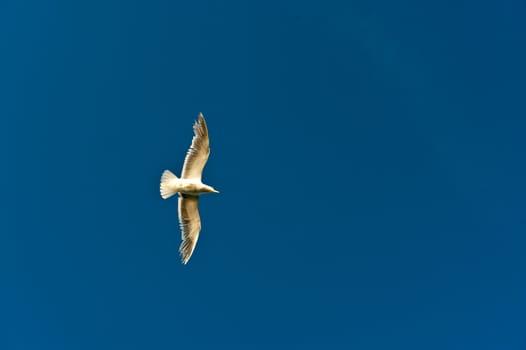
<point x="369" y="154"/>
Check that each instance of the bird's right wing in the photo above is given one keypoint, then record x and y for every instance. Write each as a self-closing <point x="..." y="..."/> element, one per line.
<point x="198" y="152"/>
<point x="190" y="224"/>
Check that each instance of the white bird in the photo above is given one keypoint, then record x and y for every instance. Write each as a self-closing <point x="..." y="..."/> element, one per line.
<point x="189" y="187"/>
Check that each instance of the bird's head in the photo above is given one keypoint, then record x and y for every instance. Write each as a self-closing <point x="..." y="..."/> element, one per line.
<point x="211" y="189"/>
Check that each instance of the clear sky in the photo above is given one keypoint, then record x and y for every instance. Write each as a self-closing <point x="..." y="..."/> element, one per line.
<point x="369" y="154"/>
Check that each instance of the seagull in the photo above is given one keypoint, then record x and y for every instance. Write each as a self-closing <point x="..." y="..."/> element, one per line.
<point x="189" y="187"/>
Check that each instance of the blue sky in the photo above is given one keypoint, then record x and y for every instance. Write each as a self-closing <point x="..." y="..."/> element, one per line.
<point x="369" y="154"/>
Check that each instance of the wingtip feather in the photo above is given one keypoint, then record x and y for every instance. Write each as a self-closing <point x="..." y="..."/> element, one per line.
<point x="186" y="249"/>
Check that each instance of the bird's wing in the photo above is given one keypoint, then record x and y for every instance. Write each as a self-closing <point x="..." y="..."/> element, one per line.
<point x="190" y="224"/>
<point x="198" y="152"/>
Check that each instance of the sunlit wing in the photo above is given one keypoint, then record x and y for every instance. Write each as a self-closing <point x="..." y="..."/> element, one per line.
<point x="190" y="224"/>
<point x="198" y="152"/>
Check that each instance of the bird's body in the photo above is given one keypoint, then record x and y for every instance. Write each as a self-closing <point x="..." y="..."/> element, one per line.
<point x="189" y="187"/>
<point x="192" y="187"/>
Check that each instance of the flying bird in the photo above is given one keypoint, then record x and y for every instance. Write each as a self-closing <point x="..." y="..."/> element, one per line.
<point x="189" y="187"/>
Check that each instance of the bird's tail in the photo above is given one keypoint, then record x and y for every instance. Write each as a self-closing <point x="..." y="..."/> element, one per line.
<point x="168" y="182"/>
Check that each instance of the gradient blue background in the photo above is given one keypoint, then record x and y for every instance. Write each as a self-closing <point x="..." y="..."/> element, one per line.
<point x="369" y="154"/>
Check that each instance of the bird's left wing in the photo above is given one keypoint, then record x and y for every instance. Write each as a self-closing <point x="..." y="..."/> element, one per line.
<point x="190" y="224"/>
<point x="198" y="152"/>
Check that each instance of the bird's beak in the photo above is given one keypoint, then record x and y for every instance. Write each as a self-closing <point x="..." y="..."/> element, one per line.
<point x="216" y="191"/>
